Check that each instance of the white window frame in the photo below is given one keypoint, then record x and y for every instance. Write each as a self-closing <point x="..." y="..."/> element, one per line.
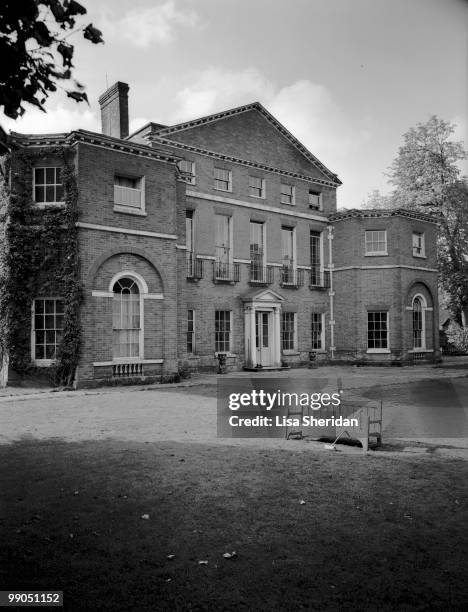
<point x="193" y="352"/>
<point x="422" y="254"/>
<point x="263" y="231"/>
<point x="41" y="363"/>
<point x="422" y="299"/>
<point x="142" y="288"/>
<point x="320" y="199"/>
<point x="190" y="180"/>
<point x="46" y="204"/>
<point x="262" y="187"/>
<point x="231" y="333"/>
<point x="322" y="333"/>
<point x="369" y="252"/>
<point x="292" y="196"/>
<point x="229" y="179"/>
<point x="128" y="208"/>
<point x="378" y="350"/>
<point x="292" y="350"/>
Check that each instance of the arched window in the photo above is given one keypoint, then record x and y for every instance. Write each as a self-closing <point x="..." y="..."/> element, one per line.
<point x="127" y="319"/>
<point x="418" y="324"/>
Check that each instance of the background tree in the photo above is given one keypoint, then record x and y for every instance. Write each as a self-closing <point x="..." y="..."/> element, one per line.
<point x="377" y="200"/>
<point x="426" y="176"/>
<point x="33" y="44"/>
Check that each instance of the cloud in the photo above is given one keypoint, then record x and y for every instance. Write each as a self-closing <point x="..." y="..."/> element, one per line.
<point x="56" y="120"/>
<point x="307" y="109"/>
<point x="137" y="123"/>
<point x="145" y="26"/>
<point x="216" y="90"/>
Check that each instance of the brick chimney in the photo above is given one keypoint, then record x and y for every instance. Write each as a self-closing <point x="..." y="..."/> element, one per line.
<point x="114" y="110"/>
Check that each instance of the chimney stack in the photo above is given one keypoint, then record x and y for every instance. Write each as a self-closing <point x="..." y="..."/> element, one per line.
<point x="114" y="110"/>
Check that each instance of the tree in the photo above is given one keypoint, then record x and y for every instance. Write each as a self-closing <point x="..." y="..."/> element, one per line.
<point x="377" y="200"/>
<point x="33" y="42"/>
<point x="426" y="176"/>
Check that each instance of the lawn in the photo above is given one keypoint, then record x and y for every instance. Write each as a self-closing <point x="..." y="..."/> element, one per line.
<point x="375" y="532"/>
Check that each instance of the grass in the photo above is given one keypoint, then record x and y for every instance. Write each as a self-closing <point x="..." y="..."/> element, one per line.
<point x="375" y="532"/>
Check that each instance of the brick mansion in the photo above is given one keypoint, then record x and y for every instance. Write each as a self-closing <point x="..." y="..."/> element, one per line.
<point x="217" y="236"/>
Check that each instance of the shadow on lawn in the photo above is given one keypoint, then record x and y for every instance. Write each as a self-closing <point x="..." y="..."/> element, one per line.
<point x="372" y="533"/>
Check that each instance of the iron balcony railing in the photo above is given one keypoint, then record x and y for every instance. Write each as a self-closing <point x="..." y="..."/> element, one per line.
<point x="194" y="267"/>
<point x="292" y="277"/>
<point x="224" y="272"/>
<point x="262" y="275"/>
<point x="319" y="278"/>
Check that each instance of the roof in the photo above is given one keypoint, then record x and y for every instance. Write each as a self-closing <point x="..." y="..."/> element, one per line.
<point x="92" y="138"/>
<point x="357" y="213"/>
<point x="166" y="132"/>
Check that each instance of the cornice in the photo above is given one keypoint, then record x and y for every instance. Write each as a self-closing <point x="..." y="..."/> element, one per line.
<point x="357" y="213"/>
<point x="243" y="162"/>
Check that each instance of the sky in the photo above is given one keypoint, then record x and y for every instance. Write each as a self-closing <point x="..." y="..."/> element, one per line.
<point x="347" y="77"/>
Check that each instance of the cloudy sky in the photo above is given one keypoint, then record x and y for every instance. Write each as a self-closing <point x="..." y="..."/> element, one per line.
<point x="347" y="77"/>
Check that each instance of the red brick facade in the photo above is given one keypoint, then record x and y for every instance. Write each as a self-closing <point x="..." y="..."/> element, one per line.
<point x="274" y="318"/>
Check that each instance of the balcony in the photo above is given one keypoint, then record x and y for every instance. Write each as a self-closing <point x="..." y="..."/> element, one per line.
<point x="194" y="267"/>
<point x="127" y="196"/>
<point x="226" y="272"/>
<point x="319" y="279"/>
<point x="292" y="277"/>
<point x="260" y="275"/>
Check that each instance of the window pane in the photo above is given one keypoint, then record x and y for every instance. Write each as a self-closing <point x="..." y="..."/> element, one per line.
<point x="59" y="193"/>
<point x="39" y="194"/>
<point x="49" y="306"/>
<point x="50" y="176"/>
<point x="50" y="194"/>
<point x="39" y="176"/>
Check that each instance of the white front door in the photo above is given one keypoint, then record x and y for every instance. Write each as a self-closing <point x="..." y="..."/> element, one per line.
<point x="263" y="338"/>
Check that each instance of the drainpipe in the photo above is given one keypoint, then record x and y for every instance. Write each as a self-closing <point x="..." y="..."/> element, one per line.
<point x="331" y="292"/>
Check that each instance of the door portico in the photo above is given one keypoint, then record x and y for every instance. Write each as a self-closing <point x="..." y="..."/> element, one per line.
<point x="262" y="311"/>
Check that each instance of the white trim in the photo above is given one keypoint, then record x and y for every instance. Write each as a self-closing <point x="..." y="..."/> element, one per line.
<point x="193" y="332"/>
<point x="366" y="242"/>
<point x="153" y="296"/>
<point x="386" y="266"/>
<point x="378" y="351"/>
<point x="423" y="301"/>
<point x="421" y="350"/>
<point x="142" y="286"/>
<point x="243" y="261"/>
<point x="231" y="333"/>
<point x="40" y="363"/>
<point x="181" y="247"/>
<point x="43" y="205"/>
<point x="251" y="205"/>
<point x="123" y="230"/>
<point x="210" y="257"/>
<point x="262" y="188"/>
<point x="106" y="294"/>
<point x="229" y="181"/>
<point x="322" y="348"/>
<point x="126" y="360"/>
<point x="129" y="210"/>
<point x="61" y="203"/>
<point x="293" y="194"/>
<point x="423" y="244"/>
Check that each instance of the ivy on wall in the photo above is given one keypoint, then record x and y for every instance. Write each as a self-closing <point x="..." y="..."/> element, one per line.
<point x="38" y="258"/>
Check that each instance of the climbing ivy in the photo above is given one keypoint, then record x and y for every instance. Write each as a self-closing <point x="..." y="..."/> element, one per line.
<point x="38" y="258"/>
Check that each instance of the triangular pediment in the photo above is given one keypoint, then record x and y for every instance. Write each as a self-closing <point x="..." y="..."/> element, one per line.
<point x="263" y="295"/>
<point x="251" y="133"/>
